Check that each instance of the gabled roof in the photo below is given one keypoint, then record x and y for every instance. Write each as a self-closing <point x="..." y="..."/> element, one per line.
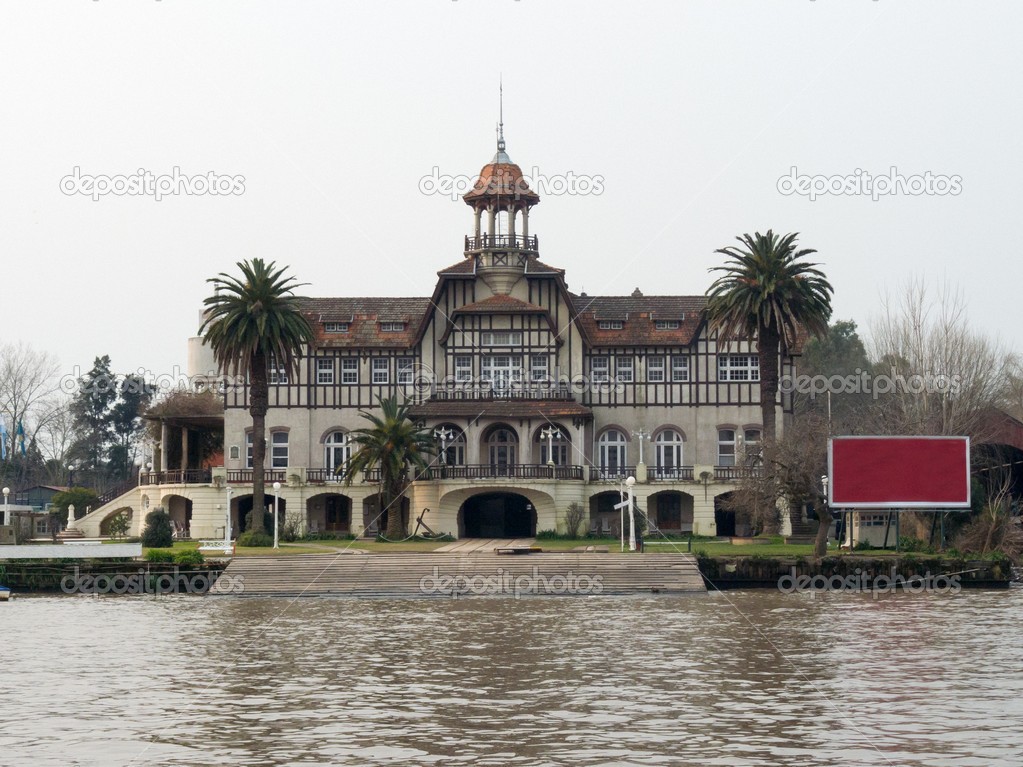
<point x="639" y="314"/>
<point x="364" y="316"/>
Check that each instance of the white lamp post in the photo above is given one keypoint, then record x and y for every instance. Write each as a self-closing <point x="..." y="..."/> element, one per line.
<point x="629" y="483"/>
<point x="7" y="508"/>
<point x="227" y="521"/>
<point x="550" y="433"/>
<point x="444" y="435"/>
<point x="277" y="496"/>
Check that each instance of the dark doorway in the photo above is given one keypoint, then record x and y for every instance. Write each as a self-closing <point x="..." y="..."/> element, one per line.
<point x="724" y="520"/>
<point x="497" y="515"/>
<point x="245" y="506"/>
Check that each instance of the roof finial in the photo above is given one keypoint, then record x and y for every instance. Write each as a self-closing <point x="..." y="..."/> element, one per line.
<point x="500" y="128"/>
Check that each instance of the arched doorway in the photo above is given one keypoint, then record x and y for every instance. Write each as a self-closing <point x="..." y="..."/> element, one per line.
<point x="497" y="515"/>
<point x="672" y="511"/>
<point x="244" y="506"/>
<point x="502" y="450"/>
<point x="179" y="509"/>
<point x="329" y="513"/>
<point x="374" y="521"/>
<point x="724" y="519"/>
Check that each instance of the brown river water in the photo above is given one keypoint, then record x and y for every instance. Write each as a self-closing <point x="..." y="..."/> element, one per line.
<point x="742" y="678"/>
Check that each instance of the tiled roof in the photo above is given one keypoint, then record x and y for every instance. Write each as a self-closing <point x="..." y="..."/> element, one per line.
<point x="501" y="305"/>
<point x="639" y="314"/>
<point x="501" y="179"/>
<point x="501" y="408"/>
<point x="466" y="266"/>
<point x="534" y="266"/>
<point x="364" y="316"/>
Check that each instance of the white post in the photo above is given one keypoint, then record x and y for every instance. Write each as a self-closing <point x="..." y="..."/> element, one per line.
<point x="7" y="508"/>
<point x="70" y="515"/>
<point x="629" y="482"/>
<point x="277" y="496"/>
<point x="621" y="515"/>
<point x="227" y="520"/>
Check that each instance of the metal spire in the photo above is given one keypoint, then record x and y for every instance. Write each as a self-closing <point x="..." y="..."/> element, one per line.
<point x="500" y="128"/>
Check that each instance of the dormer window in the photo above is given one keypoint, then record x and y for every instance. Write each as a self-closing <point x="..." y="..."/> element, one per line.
<point x="667" y="324"/>
<point x="392" y="327"/>
<point x="335" y="327"/>
<point x="611" y="324"/>
<point x="501" y="338"/>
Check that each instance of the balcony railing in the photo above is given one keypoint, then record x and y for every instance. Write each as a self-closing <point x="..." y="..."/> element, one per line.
<point x="501" y="241"/>
<point x="737" y="472"/>
<point x="244" y="476"/>
<point x="492" y="471"/>
<point x="177" y="477"/>
<point x="608" y="474"/>
<point x="672" y="473"/>
<point x="514" y="390"/>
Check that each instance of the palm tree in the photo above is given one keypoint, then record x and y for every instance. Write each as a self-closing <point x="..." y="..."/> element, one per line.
<point x="394" y="444"/>
<point x="768" y="293"/>
<point x="253" y="321"/>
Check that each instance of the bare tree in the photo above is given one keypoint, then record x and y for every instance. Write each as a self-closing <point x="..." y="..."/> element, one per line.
<point x="28" y="389"/>
<point x="942" y="377"/>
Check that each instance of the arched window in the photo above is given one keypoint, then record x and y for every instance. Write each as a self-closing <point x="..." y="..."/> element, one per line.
<point x="337" y="451"/>
<point x="612" y="453"/>
<point x="502" y="445"/>
<point x="668" y="450"/>
<point x="559" y="445"/>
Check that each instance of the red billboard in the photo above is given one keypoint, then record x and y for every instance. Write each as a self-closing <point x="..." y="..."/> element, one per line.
<point x="899" y="472"/>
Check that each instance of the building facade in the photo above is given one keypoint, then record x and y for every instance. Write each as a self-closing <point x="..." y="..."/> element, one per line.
<point x="539" y="398"/>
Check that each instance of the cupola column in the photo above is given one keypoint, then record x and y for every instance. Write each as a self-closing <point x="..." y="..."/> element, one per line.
<point x="491" y="221"/>
<point x="478" y="215"/>
<point x="525" y="221"/>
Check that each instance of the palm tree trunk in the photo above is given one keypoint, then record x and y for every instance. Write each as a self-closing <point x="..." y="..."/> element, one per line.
<point x="768" y="345"/>
<point x="258" y="405"/>
<point x="395" y="518"/>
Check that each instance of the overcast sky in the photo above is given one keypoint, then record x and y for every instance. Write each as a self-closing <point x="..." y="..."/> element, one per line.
<point x="683" y="115"/>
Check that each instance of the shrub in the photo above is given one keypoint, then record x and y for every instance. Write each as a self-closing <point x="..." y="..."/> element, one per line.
<point x="547" y="535"/>
<point x="160" y="555"/>
<point x="268" y="521"/>
<point x="573" y="519"/>
<point x="290" y="528"/>
<point x="189" y="557"/>
<point x="119" y="525"/>
<point x="158" y="533"/>
<point x="255" y="540"/>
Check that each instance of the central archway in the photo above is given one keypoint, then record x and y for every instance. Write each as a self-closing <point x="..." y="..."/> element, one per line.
<point x="497" y="515"/>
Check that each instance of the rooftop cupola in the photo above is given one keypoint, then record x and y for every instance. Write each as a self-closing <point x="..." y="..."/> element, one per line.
<point x="500" y="200"/>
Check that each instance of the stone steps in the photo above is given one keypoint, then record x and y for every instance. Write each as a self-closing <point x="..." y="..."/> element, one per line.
<point x="418" y="574"/>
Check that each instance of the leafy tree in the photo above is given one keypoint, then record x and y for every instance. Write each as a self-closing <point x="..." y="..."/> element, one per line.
<point x="394" y="444"/>
<point x="251" y="323"/>
<point x="82" y="497"/>
<point x="91" y="410"/>
<point x="840" y="352"/>
<point x="768" y="292"/>
<point x="158" y="533"/>
<point x="126" y="425"/>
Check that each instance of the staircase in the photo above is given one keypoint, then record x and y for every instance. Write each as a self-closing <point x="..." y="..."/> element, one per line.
<point x="419" y="574"/>
<point x="125" y="494"/>
<point x="803" y="531"/>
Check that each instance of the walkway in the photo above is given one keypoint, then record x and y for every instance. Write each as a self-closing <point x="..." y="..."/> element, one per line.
<point x="469" y="545"/>
<point x="418" y="574"/>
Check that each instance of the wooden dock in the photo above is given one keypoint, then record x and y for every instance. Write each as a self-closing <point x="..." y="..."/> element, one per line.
<point x="479" y="573"/>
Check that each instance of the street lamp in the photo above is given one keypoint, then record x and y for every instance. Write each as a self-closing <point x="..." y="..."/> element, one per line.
<point x="629" y="483"/>
<point x="825" y="519"/>
<point x="550" y="433"/>
<point x="444" y="435"/>
<point x="7" y="508"/>
<point x="277" y="497"/>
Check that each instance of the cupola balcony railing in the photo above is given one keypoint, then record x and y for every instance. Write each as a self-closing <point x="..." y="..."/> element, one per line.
<point x="474" y="243"/>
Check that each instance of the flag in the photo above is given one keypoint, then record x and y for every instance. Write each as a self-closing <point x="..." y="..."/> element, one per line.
<point x="21" y="436"/>
<point x="3" y="440"/>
